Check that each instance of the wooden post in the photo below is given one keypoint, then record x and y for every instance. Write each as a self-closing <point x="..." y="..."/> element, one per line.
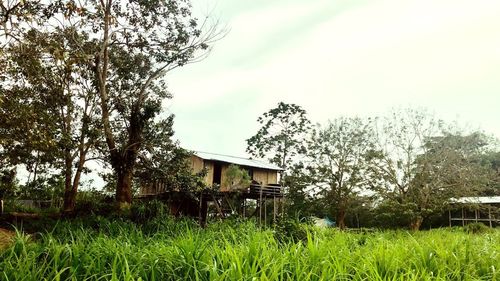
<point x="463" y="219"/>
<point x="449" y="217"/>
<point x="244" y="207"/>
<point x="274" y="208"/>
<point x="282" y="202"/>
<point x="265" y="211"/>
<point x="475" y="214"/>
<point x="1" y="207"/>
<point x="489" y="215"/>
<point x="219" y="207"/>
<point x="200" y="220"/>
<point x="260" y="206"/>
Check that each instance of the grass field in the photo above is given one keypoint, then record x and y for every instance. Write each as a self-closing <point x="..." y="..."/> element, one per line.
<point x="164" y="249"/>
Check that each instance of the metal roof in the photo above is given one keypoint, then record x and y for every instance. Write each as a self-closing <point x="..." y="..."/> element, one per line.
<point x="236" y="160"/>
<point x="478" y="200"/>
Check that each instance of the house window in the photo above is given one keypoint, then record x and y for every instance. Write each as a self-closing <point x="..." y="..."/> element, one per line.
<point x="217" y="173"/>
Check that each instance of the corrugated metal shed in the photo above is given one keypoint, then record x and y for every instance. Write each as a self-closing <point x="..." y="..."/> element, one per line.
<point x="478" y="200"/>
<point x="236" y="160"/>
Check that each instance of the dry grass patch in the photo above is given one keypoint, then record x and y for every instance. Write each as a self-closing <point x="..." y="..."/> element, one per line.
<point x="5" y="238"/>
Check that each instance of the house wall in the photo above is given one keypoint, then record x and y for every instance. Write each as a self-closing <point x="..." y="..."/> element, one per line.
<point x="265" y="176"/>
<point x="262" y="176"/>
<point x="209" y="178"/>
<point x="223" y="185"/>
<point x="272" y="177"/>
<point x="197" y="164"/>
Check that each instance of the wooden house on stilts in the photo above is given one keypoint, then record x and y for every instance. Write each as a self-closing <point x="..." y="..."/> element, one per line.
<point x="220" y="198"/>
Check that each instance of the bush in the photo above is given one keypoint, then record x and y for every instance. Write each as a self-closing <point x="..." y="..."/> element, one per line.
<point x="93" y="202"/>
<point x="148" y="210"/>
<point x="476" y="227"/>
<point x="290" y="230"/>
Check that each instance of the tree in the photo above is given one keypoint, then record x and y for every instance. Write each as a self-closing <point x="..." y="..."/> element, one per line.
<point x="282" y="135"/>
<point x="299" y="201"/>
<point x="449" y="168"/>
<point x="162" y="160"/>
<point x="236" y="178"/>
<point x="13" y="16"/>
<point x="8" y="183"/>
<point x="140" y="41"/>
<point x="401" y="137"/>
<point x="424" y="165"/>
<point x="491" y="161"/>
<point x="49" y="108"/>
<point x="341" y="155"/>
<point x="122" y="49"/>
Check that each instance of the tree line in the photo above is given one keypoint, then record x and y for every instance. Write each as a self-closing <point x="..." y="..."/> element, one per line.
<point x="408" y="164"/>
<point x="83" y="81"/>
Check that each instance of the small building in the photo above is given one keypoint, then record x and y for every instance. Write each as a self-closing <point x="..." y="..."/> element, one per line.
<point x="216" y="165"/>
<point x="485" y="209"/>
<point x="264" y="186"/>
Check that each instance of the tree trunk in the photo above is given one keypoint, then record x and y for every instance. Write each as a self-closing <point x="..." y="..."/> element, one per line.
<point x="416" y="223"/>
<point x="124" y="188"/>
<point x="69" y="200"/>
<point x="70" y="194"/>
<point x="340" y="218"/>
<point x="68" y="205"/>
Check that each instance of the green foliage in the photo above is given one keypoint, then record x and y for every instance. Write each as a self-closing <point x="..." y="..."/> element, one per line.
<point x="48" y="119"/>
<point x="342" y="156"/>
<point x="164" y="161"/>
<point x="236" y="178"/>
<point x="149" y="210"/>
<point x="291" y="230"/>
<point x="8" y="183"/>
<point x="299" y="202"/>
<point x="490" y="161"/>
<point x="477" y="228"/>
<point x="282" y="135"/>
<point x="14" y="206"/>
<point x="98" y="248"/>
<point x="93" y="202"/>
<point x="425" y="163"/>
<point x="60" y="76"/>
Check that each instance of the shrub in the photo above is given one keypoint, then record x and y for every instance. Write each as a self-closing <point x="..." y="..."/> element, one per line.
<point x="93" y="202"/>
<point x="148" y="210"/>
<point x="476" y="227"/>
<point x="290" y="230"/>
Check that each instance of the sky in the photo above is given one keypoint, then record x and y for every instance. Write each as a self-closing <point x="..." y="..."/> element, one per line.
<point x="338" y="58"/>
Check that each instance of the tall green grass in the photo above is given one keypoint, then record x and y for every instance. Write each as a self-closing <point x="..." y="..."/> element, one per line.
<point x="164" y="249"/>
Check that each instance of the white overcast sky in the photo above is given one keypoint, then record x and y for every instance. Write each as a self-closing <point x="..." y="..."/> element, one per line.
<point x="339" y="57"/>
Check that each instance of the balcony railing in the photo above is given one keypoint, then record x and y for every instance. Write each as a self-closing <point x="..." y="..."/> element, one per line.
<point x="254" y="190"/>
<point x="266" y="190"/>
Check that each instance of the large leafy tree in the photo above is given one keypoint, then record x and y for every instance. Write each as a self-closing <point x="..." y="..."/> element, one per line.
<point x="282" y="135"/>
<point x="449" y="168"/>
<point x="299" y="201"/>
<point x="122" y="49"/>
<point x="138" y="42"/>
<point x="491" y="161"/>
<point x="162" y="160"/>
<point x="341" y="156"/>
<point x="48" y="115"/>
<point x="425" y="164"/>
<point x="282" y="140"/>
<point x="14" y="14"/>
<point x="401" y="137"/>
